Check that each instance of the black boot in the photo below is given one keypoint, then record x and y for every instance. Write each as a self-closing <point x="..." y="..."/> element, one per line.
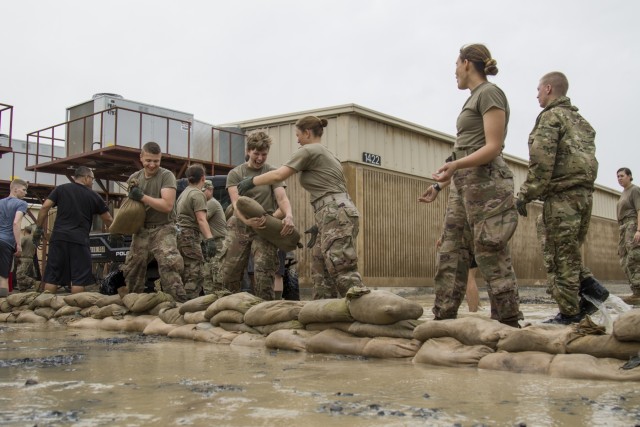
<point x="594" y="290"/>
<point x="563" y="319"/>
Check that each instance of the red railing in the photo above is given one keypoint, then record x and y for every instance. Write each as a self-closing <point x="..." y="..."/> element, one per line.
<point x="126" y="127"/>
<point x="3" y="110"/>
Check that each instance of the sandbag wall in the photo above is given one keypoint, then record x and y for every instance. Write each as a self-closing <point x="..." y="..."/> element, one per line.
<point x="366" y="323"/>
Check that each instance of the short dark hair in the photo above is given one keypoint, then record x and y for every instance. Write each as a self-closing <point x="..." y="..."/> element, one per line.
<point x="151" y="148"/>
<point x="82" y="171"/>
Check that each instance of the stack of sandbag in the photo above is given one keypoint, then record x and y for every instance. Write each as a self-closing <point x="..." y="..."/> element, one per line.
<point x="17" y="308"/>
<point x="457" y="342"/>
<point x="273" y="226"/>
<point x="367" y="323"/>
<point x="228" y="312"/>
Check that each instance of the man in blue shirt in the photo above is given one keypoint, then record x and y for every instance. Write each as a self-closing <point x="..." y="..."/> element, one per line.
<point x="12" y="209"/>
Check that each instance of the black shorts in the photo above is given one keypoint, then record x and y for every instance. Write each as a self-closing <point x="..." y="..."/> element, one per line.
<point x="6" y="258"/>
<point x="68" y="264"/>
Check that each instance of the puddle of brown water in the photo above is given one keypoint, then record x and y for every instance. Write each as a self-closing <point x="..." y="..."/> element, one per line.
<point x="94" y="378"/>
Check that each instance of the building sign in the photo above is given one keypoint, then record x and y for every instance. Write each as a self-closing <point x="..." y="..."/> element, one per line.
<point x="372" y="159"/>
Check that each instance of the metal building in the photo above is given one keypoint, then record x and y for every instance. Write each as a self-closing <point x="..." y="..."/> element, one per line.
<point x="388" y="163"/>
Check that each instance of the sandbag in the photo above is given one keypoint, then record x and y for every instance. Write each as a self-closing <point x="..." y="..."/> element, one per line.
<point x="108" y="300"/>
<point x="333" y="341"/>
<point x="89" y="311"/>
<point x="401" y="329"/>
<point x="42" y="300"/>
<point x="46" y="312"/>
<point x="186" y="332"/>
<point x="21" y="298"/>
<point x="110" y="310"/>
<point x="238" y="327"/>
<point x="242" y="301"/>
<point x="448" y="351"/>
<point x="214" y="335"/>
<point x="142" y="303"/>
<point x="57" y="302"/>
<point x="86" y="323"/>
<point x="325" y="311"/>
<point x="5" y="307"/>
<point x="194" y="317"/>
<point x="28" y="316"/>
<point x="269" y="312"/>
<point x="467" y="330"/>
<point x="8" y="317"/>
<point x="67" y="310"/>
<point x="547" y="338"/>
<point x="391" y="348"/>
<point x="162" y="306"/>
<point x="583" y="366"/>
<point x="627" y="326"/>
<point x="383" y="308"/>
<point x="172" y="316"/>
<point x="129" y="219"/>
<point x="341" y="326"/>
<point x="606" y="346"/>
<point x="248" y="339"/>
<point x="530" y="362"/>
<point x="128" y="324"/>
<point x="227" y="316"/>
<point x="273" y="226"/>
<point x="289" y="324"/>
<point x="83" y="299"/>
<point x="198" y="304"/>
<point x="289" y="339"/>
<point x="158" y="327"/>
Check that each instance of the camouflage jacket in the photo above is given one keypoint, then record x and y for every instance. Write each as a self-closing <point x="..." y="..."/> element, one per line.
<point x="562" y="152"/>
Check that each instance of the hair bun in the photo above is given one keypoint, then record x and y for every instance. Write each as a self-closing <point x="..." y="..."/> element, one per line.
<point x="324" y="122"/>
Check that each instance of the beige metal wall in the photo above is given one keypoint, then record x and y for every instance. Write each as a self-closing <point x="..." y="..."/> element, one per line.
<point x="396" y="245"/>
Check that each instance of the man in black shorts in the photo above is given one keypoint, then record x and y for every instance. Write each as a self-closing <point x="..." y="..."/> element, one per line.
<point x="69" y="256"/>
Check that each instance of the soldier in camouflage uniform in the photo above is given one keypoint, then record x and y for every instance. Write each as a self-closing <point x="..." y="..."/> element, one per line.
<point x="335" y="259"/>
<point x="218" y="226"/>
<point x="480" y="218"/>
<point x="156" y="189"/>
<point x="191" y="210"/>
<point x="562" y="172"/>
<point x="629" y="244"/>
<point x="241" y="239"/>
<point x="26" y="271"/>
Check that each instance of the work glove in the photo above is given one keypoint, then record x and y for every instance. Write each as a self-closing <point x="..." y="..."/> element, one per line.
<point x="210" y="248"/>
<point x="136" y="193"/>
<point x="313" y="231"/>
<point x="521" y="207"/>
<point x="116" y="240"/>
<point x="245" y="185"/>
<point x="37" y="236"/>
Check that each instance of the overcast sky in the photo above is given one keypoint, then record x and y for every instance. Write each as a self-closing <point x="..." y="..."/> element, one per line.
<point x="233" y="60"/>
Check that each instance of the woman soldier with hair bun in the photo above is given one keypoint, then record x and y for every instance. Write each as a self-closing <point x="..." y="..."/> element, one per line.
<point x="629" y="244"/>
<point x="481" y="215"/>
<point x="335" y="260"/>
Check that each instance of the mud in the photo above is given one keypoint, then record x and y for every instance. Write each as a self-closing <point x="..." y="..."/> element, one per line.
<point x="51" y="376"/>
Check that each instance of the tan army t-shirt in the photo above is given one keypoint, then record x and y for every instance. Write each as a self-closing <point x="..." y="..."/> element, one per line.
<point x="629" y="202"/>
<point x="190" y="201"/>
<point x="164" y="178"/>
<point x="262" y="194"/>
<point x="216" y="218"/>
<point x="320" y="171"/>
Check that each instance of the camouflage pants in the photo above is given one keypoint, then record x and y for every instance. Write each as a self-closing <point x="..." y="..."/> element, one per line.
<point x="566" y="219"/>
<point x="480" y="219"/>
<point x="547" y="256"/>
<point x="191" y="251"/>
<point x="159" y="243"/>
<point x="25" y="275"/>
<point x="211" y="269"/>
<point x="334" y="264"/>
<point x="629" y="254"/>
<point x="241" y="241"/>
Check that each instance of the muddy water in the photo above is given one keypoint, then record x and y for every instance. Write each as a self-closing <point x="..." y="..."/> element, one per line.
<point x="54" y="376"/>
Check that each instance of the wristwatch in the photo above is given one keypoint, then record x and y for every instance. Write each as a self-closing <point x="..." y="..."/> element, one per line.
<point x="437" y="186"/>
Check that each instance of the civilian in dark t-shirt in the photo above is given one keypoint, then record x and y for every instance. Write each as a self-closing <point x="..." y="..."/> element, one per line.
<point x="69" y="256"/>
